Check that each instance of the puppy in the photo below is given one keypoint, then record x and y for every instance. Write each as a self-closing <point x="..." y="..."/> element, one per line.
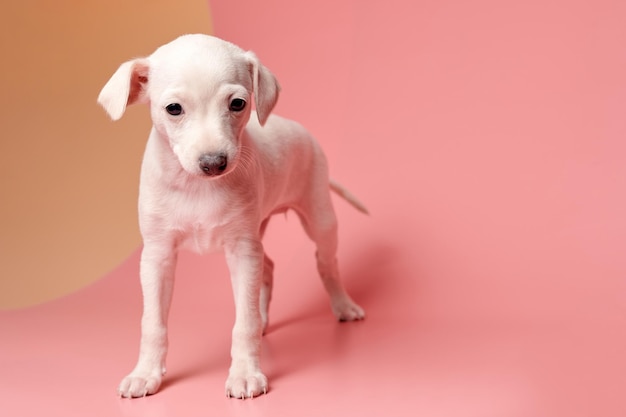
<point x="213" y="173"/>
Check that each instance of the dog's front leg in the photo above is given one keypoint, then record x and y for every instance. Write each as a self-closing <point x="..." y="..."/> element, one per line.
<point x="245" y="261"/>
<point x="158" y="262"/>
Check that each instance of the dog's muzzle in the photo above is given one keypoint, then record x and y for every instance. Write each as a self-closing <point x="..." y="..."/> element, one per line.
<point x="213" y="164"/>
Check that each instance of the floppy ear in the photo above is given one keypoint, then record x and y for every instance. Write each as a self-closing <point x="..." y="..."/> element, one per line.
<point x="265" y="86"/>
<point x="127" y="86"/>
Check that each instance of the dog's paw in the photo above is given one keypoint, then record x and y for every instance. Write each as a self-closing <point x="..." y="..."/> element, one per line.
<point x="246" y="385"/>
<point x="136" y="385"/>
<point x="347" y="310"/>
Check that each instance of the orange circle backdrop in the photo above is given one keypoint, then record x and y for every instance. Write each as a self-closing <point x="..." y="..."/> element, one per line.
<point x="68" y="175"/>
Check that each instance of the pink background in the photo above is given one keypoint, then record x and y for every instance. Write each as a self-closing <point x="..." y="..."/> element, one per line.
<point x="487" y="139"/>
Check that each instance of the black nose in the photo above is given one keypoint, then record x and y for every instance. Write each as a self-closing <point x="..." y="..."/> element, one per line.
<point x="213" y="164"/>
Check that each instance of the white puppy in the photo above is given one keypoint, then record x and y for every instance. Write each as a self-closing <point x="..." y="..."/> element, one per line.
<point x="211" y="177"/>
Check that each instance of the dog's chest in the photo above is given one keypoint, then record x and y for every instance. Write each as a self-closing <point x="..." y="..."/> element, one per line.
<point x="204" y="230"/>
<point x="201" y="238"/>
<point x="201" y="218"/>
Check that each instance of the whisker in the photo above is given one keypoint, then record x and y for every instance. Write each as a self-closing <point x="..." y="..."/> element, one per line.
<point x="247" y="161"/>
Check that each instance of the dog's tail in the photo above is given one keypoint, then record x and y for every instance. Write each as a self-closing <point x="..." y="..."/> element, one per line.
<point x="347" y="195"/>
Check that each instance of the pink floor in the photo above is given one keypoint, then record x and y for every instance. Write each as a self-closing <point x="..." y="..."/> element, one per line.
<point x="487" y="139"/>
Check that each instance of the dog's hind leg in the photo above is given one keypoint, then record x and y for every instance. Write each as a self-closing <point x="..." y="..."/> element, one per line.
<point x="267" y="283"/>
<point x="266" y="290"/>
<point x="320" y="223"/>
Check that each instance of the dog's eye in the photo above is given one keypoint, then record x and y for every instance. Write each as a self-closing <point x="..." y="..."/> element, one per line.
<point x="174" y="109"/>
<point x="237" y="104"/>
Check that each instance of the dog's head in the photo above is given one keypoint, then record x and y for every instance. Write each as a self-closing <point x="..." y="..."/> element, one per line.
<point x="199" y="89"/>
